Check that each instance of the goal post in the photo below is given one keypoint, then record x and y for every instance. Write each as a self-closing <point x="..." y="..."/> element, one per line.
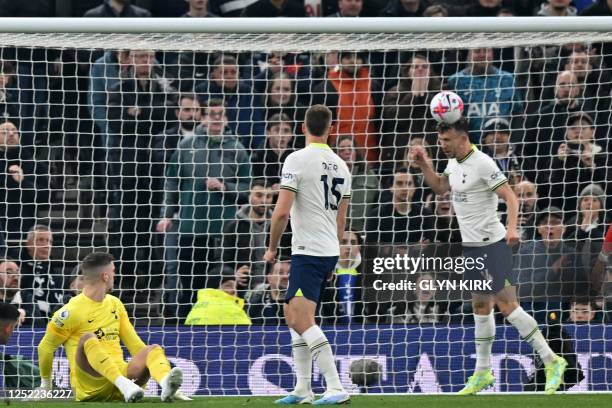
<point x="162" y="141"/>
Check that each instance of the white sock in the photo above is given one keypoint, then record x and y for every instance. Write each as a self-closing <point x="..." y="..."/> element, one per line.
<point x="530" y="332"/>
<point x="322" y="354"/>
<point x="124" y="384"/>
<point x="302" y="360"/>
<point x="484" y="334"/>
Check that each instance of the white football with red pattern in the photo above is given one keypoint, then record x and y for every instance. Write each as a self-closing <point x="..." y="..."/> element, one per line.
<point x="446" y="107"/>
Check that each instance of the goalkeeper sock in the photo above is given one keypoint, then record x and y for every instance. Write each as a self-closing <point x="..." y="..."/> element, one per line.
<point x="530" y="332"/>
<point x="302" y="361"/>
<point x="158" y="364"/>
<point x="322" y="354"/>
<point x="484" y="334"/>
<point x="100" y="361"/>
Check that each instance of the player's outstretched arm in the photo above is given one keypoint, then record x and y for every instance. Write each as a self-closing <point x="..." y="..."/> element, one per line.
<point x="438" y="183"/>
<point x="505" y="193"/>
<point x="280" y="218"/>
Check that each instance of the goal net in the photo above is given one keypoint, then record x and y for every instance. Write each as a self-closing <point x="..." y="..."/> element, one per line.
<point x="166" y="150"/>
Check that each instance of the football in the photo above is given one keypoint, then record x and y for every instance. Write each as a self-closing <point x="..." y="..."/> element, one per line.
<point x="365" y="371"/>
<point x="446" y="107"/>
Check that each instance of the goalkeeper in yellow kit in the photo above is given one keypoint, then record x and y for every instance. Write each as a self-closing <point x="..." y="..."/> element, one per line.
<point x="90" y="327"/>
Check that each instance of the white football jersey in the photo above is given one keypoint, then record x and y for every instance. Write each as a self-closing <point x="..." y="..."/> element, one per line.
<point x="320" y="179"/>
<point x="473" y="181"/>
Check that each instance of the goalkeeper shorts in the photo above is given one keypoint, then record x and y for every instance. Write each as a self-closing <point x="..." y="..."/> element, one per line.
<point x="90" y="388"/>
<point x="308" y="276"/>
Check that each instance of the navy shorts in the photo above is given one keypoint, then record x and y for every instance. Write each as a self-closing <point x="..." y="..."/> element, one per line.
<point x="308" y="276"/>
<point x="498" y="264"/>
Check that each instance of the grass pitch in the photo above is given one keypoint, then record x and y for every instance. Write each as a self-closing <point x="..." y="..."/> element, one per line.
<point x="402" y="401"/>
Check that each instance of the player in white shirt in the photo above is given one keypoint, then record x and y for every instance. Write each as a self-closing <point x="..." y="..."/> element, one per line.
<point x="475" y="183"/>
<point x="315" y="192"/>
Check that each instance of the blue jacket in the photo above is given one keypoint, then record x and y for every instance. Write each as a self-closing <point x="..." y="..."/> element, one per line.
<point x="103" y="76"/>
<point x="486" y="96"/>
<point x="244" y="111"/>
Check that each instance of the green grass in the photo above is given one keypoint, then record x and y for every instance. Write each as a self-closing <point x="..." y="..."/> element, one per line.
<point x="443" y="401"/>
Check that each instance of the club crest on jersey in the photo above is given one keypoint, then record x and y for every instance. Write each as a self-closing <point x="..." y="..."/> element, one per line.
<point x="99" y="333"/>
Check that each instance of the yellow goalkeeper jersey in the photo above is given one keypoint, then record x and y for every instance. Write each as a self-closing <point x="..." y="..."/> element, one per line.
<point x="108" y="320"/>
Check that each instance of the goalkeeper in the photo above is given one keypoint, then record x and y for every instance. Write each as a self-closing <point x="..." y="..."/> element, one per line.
<point x="90" y="327"/>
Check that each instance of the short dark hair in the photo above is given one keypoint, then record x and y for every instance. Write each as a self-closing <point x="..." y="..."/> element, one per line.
<point x="318" y="120"/>
<point x="93" y="261"/>
<point x="224" y="60"/>
<point x="7" y="67"/>
<point x="211" y="103"/>
<point x="8" y="312"/>
<point x="435" y="9"/>
<point x="258" y="182"/>
<point x="277" y="119"/>
<point x="182" y="96"/>
<point x="462" y="125"/>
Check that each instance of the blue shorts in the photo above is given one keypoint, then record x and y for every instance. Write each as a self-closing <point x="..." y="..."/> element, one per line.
<point x="308" y="276"/>
<point x="498" y="264"/>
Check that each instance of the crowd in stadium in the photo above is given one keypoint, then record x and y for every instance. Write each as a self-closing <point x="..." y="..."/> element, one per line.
<point x="183" y="151"/>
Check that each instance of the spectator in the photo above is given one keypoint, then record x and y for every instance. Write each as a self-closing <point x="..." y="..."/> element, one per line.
<point x="275" y="8"/>
<point x="486" y="90"/>
<point x="404" y="8"/>
<point x="106" y="72"/>
<point x="139" y="107"/>
<point x="32" y="8"/>
<point x="446" y="226"/>
<point x="41" y="289"/>
<point x="599" y="8"/>
<point x="9" y="320"/>
<point x="575" y="166"/>
<point x="584" y="311"/>
<point x="281" y="98"/>
<point x="496" y="143"/>
<point x="296" y="67"/>
<point x="403" y="220"/>
<point x="527" y="195"/>
<point x="198" y="8"/>
<point x="268" y="162"/>
<point x="542" y="264"/>
<point x="188" y="114"/>
<point x="353" y="97"/>
<point x="243" y="109"/>
<point x="593" y="78"/>
<point x="265" y="302"/>
<point x="244" y="239"/>
<point x="436" y="10"/>
<point x="10" y="282"/>
<point x="9" y="94"/>
<point x="24" y="184"/>
<point x="484" y="8"/>
<point x="590" y="222"/>
<point x="557" y="8"/>
<point x="364" y="183"/>
<point x="117" y="8"/>
<point x="341" y="300"/>
<point x="229" y="8"/>
<point x="544" y="130"/>
<point x="348" y="8"/>
<point x="406" y="107"/>
<point x="424" y="309"/>
<point x="207" y="178"/>
<point x="423" y="192"/>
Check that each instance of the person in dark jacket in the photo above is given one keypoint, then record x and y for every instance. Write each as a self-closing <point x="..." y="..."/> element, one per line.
<point x="244" y="239"/>
<point x="264" y="303"/>
<point x="275" y="8"/>
<point x="198" y="8"/>
<point x="42" y="290"/>
<point x="117" y="8"/>
<point x="268" y="162"/>
<point x="404" y="8"/>
<point x="139" y="107"/>
<point x="30" y="8"/>
<point x="9" y="94"/>
<point x="243" y="109"/>
<point x="208" y="177"/>
<point x="24" y="184"/>
<point x="401" y="221"/>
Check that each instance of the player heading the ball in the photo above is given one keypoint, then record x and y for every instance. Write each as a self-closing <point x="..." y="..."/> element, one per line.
<point x="90" y="327"/>
<point x="315" y="191"/>
<point x="475" y="183"/>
